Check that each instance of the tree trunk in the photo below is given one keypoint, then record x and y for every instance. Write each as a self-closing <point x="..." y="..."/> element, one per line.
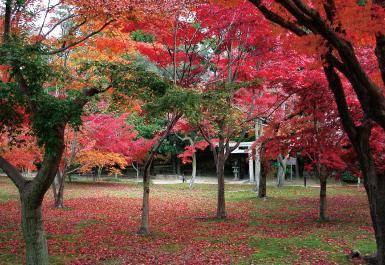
<point x="58" y="190"/>
<point x="144" y="226"/>
<point x="178" y="169"/>
<point x="136" y="169"/>
<point x="375" y="188"/>
<point x="33" y="232"/>
<point x="359" y="136"/>
<point x="173" y="163"/>
<point x="282" y="162"/>
<point x="221" y="207"/>
<point x="263" y="171"/>
<point x="322" y="200"/>
<point x="262" y="182"/>
<point x="194" y="171"/>
<point x="99" y="176"/>
<point x="379" y="207"/>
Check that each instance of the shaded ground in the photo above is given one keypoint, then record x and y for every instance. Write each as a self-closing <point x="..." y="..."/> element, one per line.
<point x="99" y="226"/>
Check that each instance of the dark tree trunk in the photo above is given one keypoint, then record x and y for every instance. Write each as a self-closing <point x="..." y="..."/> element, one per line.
<point x="360" y="138"/>
<point x="144" y="226"/>
<point x="375" y="188"/>
<point x="322" y="199"/>
<point x="178" y="169"/>
<point x="33" y="232"/>
<point x="173" y="163"/>
<point x="221" y="206"/>
<point x="262" y="183"/>
<point x="374" y="184"/>
<point x="264" y="169"/>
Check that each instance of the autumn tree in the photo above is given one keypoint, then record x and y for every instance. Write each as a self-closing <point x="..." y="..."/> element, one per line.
<point x="28" y="49"/>
<point x="190" y="136"/>
<point x="233" y="89"/>
<point x="339" y="43"/>
<point x="175" y="103"/>
<point x="194" y="49"/>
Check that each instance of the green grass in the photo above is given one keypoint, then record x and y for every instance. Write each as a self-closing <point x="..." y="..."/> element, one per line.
<point x="271" y="251"/>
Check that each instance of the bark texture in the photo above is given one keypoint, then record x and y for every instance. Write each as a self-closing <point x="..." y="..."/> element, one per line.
<point x="221" y="206"/>
<point x="322" y="199"/>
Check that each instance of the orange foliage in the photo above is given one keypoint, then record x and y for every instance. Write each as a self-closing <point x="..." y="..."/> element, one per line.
<point x="90" y="159"/>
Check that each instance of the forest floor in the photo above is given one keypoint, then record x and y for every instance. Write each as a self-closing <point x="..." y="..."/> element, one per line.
<point x="100" y="221"/>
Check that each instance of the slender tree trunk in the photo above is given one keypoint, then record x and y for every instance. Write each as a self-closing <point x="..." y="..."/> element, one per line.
<point x="33" y="232"/>
<point x="282" y="162"/>
<point x="58" y="190"/>
<point x="262" y="182"/>
<point x="136" y="169"/>
<point x="263" y="171"/>
<point x="173" y="163"/>
<point x="178" y="169"/>
<point x="221" y="207"/>
<point x="99" y="176"/>
<point x="322" y="199"/>
<point x="194" y="171"/>
<point x="144" y="226"/>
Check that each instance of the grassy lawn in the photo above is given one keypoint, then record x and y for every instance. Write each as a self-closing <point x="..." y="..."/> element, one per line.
<point x="100" y="222"/>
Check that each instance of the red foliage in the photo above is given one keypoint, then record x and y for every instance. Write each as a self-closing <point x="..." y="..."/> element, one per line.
<point x="105" y="132"/>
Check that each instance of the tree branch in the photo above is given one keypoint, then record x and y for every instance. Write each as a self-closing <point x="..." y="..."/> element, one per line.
<point x="57" y="24"/>
<point x="270" y="15"/>
<point x="87" y="93"/>
<point x="12" y="173"/>
<point x="45" y="17"/>
<point x="369" y="94"/>
<point x="335" y="85"/>
<point x="62" y="49"/>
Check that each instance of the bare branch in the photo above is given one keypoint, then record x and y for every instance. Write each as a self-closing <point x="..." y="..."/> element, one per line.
<point x="58" y="23"/>
<point x="62" y="49"/>
<point x="45" y="17"/>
